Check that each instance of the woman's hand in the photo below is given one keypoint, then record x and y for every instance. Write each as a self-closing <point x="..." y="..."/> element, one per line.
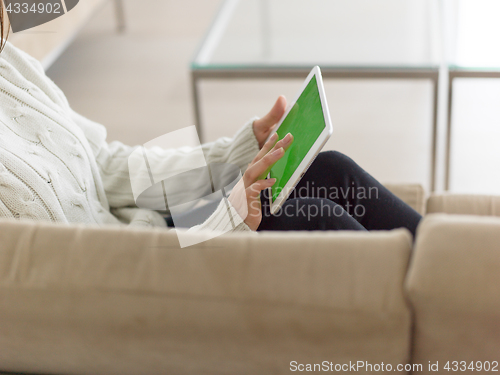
<point x="263" y="127"/>
<point x="245" y="197"/>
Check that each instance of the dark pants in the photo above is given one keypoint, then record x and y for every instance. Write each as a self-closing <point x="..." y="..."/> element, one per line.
<point x="334" y="194"/>
<point x="337" y="194"/>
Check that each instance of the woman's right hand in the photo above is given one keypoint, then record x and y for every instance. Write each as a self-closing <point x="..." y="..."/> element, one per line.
<point x="245" y="197"/>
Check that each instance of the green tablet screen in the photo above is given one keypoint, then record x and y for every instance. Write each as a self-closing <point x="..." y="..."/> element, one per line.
<point x="306" y="122"/>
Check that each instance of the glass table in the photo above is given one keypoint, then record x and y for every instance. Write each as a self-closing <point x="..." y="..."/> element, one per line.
<point x="348" y="39"/>
<point x="472" y="50"/>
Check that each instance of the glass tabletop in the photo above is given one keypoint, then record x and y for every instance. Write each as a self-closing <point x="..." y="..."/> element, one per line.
<point x="474" y="34"/>
<point x="392" y="34"/>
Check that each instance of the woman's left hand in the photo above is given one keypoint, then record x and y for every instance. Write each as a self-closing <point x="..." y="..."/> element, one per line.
<point x="245" y="197"/>
<point x="264" y="126"/>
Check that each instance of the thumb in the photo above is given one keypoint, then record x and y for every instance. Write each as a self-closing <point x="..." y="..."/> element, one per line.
<point x="275" y="113"/>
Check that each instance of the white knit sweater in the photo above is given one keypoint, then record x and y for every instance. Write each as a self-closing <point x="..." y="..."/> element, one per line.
<point x="55" y="165"/>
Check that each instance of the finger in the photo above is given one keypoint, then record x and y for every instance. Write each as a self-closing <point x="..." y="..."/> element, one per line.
<point x="253" y="192"/>
<point x="274" y="114"/>
<point x="268" y="146"/>
<point x="286" y="142"/>
<point x="254" y="173"/>
<point x="260" y="169"/>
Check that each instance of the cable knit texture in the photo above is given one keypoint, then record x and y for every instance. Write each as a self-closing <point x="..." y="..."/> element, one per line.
<point x="55" y="165"/>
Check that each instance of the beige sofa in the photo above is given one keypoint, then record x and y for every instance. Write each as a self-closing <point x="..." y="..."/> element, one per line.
<point x="81" y="300"/>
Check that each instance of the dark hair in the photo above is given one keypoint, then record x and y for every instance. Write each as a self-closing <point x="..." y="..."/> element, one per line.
<point x="2" y="25"/>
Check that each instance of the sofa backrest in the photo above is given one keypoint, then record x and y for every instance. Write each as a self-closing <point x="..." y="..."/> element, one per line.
<point x="461" y="204"/>
<point x="80" y="300"/>
<point x="454" y="286"/>
<point x="412" y="194"/>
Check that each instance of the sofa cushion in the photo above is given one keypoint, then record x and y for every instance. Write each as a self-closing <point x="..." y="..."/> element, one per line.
<point x="454" y="286"/>
<point x="483" y="205"/>
<point x="79" y="300"/>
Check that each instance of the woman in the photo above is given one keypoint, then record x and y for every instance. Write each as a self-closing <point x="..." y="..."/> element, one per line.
<point x="55" y="165"/>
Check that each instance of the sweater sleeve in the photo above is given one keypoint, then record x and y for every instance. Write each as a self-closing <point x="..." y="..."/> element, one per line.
<point x="113" y="161"/>
<point x="224" y="219"/>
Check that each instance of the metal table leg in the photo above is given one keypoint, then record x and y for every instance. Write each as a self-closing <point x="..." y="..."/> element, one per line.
<point x="196" y="105"/>
<point x="431" y="74"/>
<point x="120" y="16"/>
<point x="434" y="151"/>
<point x="448" y="132"/>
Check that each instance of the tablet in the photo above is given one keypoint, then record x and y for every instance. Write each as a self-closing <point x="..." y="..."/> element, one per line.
<point x="308" y="119"/>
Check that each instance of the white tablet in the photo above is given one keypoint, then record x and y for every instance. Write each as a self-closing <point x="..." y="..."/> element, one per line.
<point x="308" y="119"/>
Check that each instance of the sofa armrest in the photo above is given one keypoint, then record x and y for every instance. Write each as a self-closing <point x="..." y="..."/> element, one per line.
<point x="461" y="204"/>
<point x="83" y="300"/>
<point x="453" y="284"/>
<point x="412" y="194"/>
